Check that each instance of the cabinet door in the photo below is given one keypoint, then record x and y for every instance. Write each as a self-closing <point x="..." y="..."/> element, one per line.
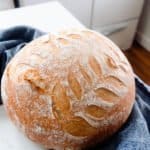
<point x="121" y="33"/>
<point x="81" y="9"/>
<point x="6" y="4"/>
<point x="107" y="12"/>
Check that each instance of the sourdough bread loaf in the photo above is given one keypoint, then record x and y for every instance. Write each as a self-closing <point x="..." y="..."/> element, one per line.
<point x="69" y="90"/>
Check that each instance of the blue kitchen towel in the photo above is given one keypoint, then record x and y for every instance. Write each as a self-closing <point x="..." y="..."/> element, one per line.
<point x="135" y="133"/>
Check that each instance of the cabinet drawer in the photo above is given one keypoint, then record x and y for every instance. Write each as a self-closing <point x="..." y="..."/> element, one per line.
<point x="122" y="33"/>
<point x="106" y="12"/>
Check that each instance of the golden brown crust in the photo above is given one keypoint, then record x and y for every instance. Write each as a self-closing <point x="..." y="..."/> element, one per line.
<point x="66" y="90"/>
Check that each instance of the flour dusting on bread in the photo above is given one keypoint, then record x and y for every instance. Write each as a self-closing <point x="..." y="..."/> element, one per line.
<point x="67" y="89"/>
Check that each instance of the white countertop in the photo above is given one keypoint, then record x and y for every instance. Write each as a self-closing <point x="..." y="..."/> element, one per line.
<point x="11" y="138"/>
<point x="48" y="17"/>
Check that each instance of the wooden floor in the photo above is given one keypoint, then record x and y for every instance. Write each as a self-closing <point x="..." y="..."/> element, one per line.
<point x="140" y="61"/>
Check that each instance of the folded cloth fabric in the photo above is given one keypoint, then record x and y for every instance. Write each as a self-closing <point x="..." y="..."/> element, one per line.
<point x="12" y="40"/>
<point x="134" y="135"/>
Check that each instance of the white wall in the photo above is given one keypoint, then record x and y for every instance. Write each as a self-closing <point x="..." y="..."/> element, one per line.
<point x="143" y="33"/>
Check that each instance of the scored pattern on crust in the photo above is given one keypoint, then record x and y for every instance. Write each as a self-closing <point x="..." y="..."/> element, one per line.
<point x="83" y="89"/>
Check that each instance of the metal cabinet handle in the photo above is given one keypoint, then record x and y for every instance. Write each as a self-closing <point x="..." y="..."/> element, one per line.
<point x="114" y="29"/>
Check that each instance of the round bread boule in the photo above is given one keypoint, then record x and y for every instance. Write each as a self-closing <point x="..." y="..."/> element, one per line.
<point x="69" y="90"/>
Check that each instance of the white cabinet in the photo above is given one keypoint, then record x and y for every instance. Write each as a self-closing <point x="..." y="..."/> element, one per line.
<point x="6" y="4"/>
<point x="121" y="33"/>
<point x="106" y="12"/>
<point x="119" y="18"/>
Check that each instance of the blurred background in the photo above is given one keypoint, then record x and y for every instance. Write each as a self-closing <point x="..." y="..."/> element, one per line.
<point x="126" y="22"/>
